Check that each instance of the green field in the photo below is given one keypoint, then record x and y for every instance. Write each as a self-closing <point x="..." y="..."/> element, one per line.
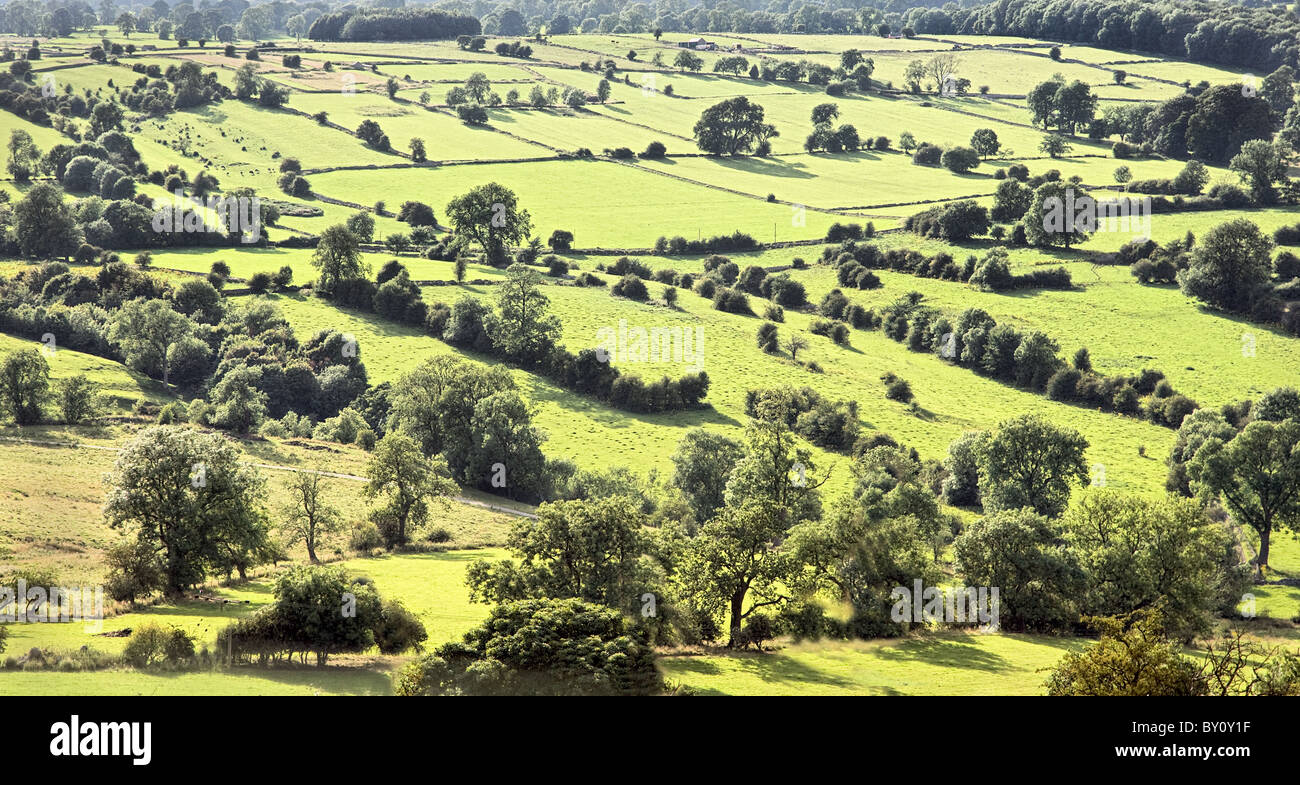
<point x="952" y="664"/>
<point x="52" y="495"/>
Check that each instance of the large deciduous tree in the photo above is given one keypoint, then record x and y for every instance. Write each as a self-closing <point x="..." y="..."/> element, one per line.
<point x="1257" y="474"/>
<point x="338" y="257"/>
<point x="1029" y="462"/>
<point x="308" y="515"/>
<point x="490" y="214"/>
<point x="523" y="330"/>
<point x="44" y="225"/>
<point x="188" y="496"/>
<point x="408" y="480"/>
<point x="702" y="466"/>
<point x="144" y="331"/>
<point x="1229" y="266"/>
<point x="585" y="549"/>
<point x="732" y="127"/>
<point x="24" y="381"/>
<point x="1138" y="553"/>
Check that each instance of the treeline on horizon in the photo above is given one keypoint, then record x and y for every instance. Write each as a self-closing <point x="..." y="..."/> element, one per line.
<point x="1255" y="34"/>
<point x="1210" y="31"/>
<point x="392" y="24"/>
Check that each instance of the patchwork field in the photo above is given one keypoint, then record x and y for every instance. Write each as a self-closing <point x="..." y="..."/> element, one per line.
<point x="560" y="163"/>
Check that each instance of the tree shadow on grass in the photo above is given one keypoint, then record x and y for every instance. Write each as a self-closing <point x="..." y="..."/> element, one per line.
<point x="189" y="609"/>
<point x="332" y="678"/>
<point x="543" y="390"/>
<point x="765" y="167"/>
<point x="944" y="652"/>
<point x="769" y="667"/>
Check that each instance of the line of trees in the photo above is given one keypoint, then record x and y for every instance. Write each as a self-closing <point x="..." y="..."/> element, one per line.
<point x="392" y="24"/>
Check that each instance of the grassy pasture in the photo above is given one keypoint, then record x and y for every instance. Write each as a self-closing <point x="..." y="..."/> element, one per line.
<point x="1174" y="226"/>
<point x="120" y="385"/>
<point x="953" y="399"/>
<point x="50" y="501"/>
<point x="602" y="203"/>
<point x="453" y="72"/>
<point x="941" y="664"/>
<point x="1196" y="368"/>
<point x="873" y="43"/>
<point x="568" y="129"/>
<point x="1003" y="70"/>
<point x="244" y="262"/>
<point x="446" y="137"/>
<point x="872" y="178"/>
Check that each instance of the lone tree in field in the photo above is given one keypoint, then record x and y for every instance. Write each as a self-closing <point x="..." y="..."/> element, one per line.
<point x="523" y="330"/>
<point x="418" y="154"/>
<point x="186" y="494"/>
<point x="1055" y="145"/>
<point x="1230" y="266"/>
<point x="732" y="127"/>
<point x="1257" y="474"/>
<point x="338" y="257"/>
<point x="491" y="216"/>
<point x="985" y="142"/>
<point x="24" y="380"/>
<point x="795" y="344"/>
<point x="401" y="473"/>
<point x="308" y="516"/>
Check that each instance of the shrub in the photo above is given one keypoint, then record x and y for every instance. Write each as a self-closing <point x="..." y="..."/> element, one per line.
<point x="655" y="150"/>
<point x="927" y="155"/>
<point x="1063" y="385"/>
<point x="631" y="287"/>
<point x="731" y="301"/>
<point x="150" y="644"/>
<point x="1286" y="266"/>
<point x="897" y="389"/>
<point x="960" y="159"/>
<point x="259" y="282"/>
<point x="365" y="537"/>
<point x="560" y="240"/>
<point x="1287" y="235"/>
